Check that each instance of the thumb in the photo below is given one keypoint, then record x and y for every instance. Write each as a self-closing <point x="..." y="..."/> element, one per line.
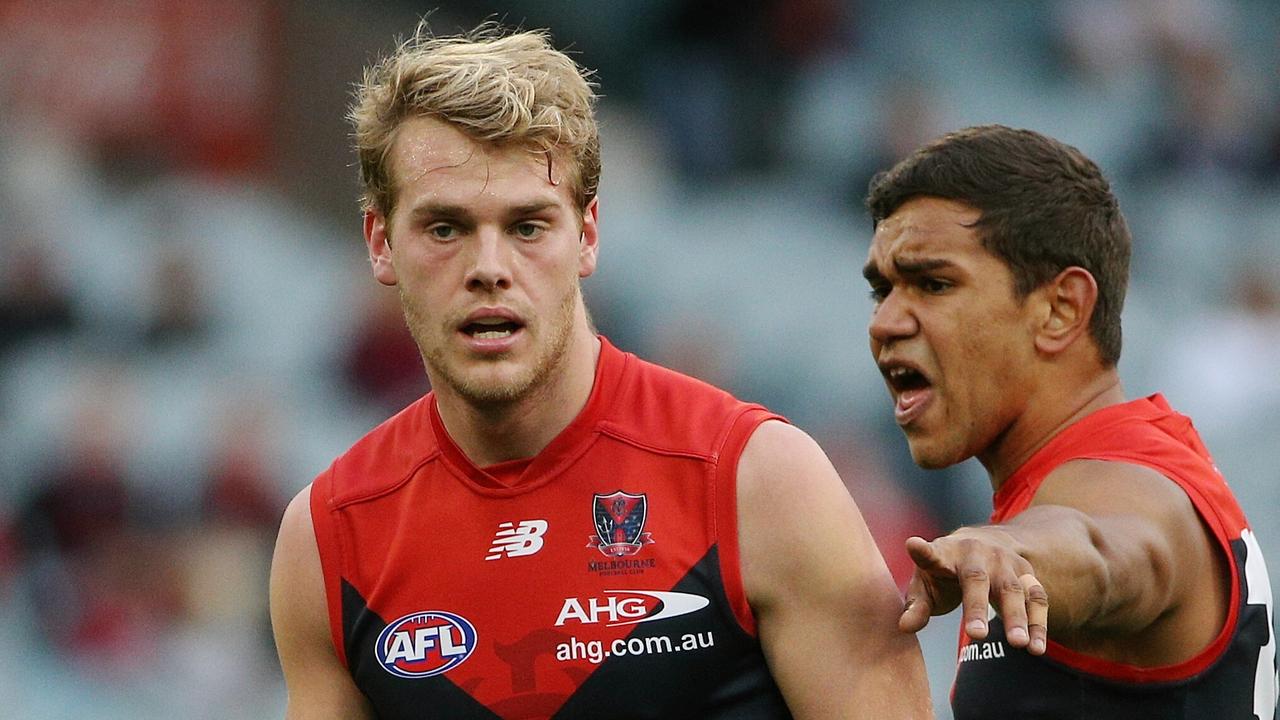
<point x="918" y="606"/>
<point x="923" y="554"/>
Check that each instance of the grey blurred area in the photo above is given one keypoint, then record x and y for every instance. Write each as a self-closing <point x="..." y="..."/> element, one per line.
<point x="189" y="331"/>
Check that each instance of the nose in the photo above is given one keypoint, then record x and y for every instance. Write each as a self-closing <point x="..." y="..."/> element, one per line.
<point x="490" y="267"/>
<point x="892" y="320"/>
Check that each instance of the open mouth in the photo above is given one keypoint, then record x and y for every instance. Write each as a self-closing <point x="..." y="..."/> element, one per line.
<point x="912" y="391"/>
<point x="491" y="328"/>
<point x="905" y="379"/>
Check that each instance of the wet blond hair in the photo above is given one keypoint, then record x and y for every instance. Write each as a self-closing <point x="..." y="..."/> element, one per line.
<point x="497" y="87"/>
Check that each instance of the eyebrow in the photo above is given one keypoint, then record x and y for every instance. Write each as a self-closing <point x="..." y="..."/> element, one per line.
<point x="923" y="265"/>
<point x="439" y="210"/>
<point x="430" y="209"/>
<point x="906" y="267"/>
<point x="534" y="207"/>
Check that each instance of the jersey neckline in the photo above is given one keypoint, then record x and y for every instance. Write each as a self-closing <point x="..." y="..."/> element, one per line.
<point x="1049" y="456"/>
<point x="572" y="441"/>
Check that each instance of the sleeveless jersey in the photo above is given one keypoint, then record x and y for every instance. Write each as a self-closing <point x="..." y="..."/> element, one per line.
<point x="602" y="582"/>
<point x="1233" y="679"/>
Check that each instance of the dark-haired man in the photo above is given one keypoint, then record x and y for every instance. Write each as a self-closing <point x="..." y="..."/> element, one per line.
<point x="998" y="268"/>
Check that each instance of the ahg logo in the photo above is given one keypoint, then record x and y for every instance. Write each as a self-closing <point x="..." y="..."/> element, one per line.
<point x="628" y="607"/>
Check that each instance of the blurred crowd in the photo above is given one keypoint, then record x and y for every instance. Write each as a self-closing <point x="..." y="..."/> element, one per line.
<point x="189" y="333"/>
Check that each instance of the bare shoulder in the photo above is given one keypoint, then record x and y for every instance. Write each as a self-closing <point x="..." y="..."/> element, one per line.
<point x="296" y="533"/>
<point x="1168" y="590"/>
<point x="1139" y="501"/>
<point x="318" y="684"/>
<point x="1101" y="487"/>
<point x="297" y="582"/>
<point x="298" y="611"/>
<point x="781" y="459"/>
<point x="797" y="523"/>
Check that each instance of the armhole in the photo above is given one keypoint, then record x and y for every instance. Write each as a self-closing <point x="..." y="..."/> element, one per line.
<point x="322" y="523"/>
<point x="738" y="432"/>
<point x="1212" y="519"/>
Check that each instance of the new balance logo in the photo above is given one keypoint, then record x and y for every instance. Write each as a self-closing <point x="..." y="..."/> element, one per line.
<point x="514" y="540"/>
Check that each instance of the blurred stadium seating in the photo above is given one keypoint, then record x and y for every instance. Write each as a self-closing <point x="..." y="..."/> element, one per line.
<point x="188" y="332"/>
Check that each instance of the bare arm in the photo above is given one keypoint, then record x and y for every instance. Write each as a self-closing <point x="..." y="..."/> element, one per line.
<point x="824" y="601"/>
<point x="1110" y="548"/>
<point x="319" y="686"/>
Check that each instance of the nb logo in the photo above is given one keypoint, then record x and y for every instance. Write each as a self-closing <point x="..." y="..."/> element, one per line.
<point x="514" y="540"/>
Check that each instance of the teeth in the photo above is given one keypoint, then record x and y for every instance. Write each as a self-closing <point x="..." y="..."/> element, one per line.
<point x="492" y="334"/>
<point x="898" y="372"/>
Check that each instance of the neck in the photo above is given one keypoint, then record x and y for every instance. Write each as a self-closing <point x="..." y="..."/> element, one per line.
<point x="494" y="433"/>
<point x="1046" y="414"/>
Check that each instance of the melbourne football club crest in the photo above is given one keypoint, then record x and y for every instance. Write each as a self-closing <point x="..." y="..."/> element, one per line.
<point x="619" y="519"/>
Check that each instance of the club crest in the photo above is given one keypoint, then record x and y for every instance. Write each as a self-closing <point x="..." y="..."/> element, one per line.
<point x="619" y="520"/>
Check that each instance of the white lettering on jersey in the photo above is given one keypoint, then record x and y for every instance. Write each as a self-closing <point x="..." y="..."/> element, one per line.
<point x="1265" y="687"/>
<point x="981" y="651"/>
<point x="425" y="644"/>
<point x="622" y="607"/>
<point x="517" y="540"/>
<point x="414" y="646"/>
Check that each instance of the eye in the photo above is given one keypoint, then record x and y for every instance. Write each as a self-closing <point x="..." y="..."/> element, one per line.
<point x="442" y="231"/>
<point x="878" y="292"/>
<point x="528" y="230"/>
<point x="934" y="286"/>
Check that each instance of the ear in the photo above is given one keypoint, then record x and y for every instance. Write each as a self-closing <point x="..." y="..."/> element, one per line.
<point x="375" y="237"/>
<point x="589" y="243"/>
<point x="1069" y="300"/>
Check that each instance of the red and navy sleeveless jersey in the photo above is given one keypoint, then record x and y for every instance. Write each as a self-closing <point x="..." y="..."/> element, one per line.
<point x="1232" y="679"/>
<point x="598" y="579"/>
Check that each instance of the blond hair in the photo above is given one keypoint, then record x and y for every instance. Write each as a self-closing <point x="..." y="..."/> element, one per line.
<point x="495" y="87"/>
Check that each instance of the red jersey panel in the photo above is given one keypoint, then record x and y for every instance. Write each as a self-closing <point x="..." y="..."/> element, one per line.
<point x="597" y="579"/>
<point x="1234" y="678"/>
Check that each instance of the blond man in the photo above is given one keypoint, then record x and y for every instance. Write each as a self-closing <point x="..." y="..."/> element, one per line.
<point x="559" y="529"/>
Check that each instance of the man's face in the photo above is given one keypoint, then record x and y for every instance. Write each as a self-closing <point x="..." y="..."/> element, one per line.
<point x="949" y="335"/>
<point x="486" y="252"/>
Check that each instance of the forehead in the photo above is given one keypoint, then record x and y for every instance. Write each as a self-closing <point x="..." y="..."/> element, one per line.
<point x="432" y="160"/>
<point x="929" y="227"/>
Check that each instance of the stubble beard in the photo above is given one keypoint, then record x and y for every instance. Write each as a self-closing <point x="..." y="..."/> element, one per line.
<point x="547" y="359"/>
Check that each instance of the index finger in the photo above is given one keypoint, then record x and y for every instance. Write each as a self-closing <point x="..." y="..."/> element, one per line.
<point x="975" y="586"/>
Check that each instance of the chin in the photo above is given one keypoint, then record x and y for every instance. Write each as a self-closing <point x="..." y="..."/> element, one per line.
<point x="495" y="388"/>
<point x="932" y="458"/>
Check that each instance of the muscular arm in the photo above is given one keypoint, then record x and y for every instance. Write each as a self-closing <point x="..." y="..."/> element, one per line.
<point x="824" y="602"/>
<point x="319" y="686"/>
<point x="1117" y="548"/>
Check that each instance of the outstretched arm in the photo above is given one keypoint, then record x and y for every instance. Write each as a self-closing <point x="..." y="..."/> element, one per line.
<point x="319" y="686"/>
<point x="1104" y="547"/>
<point x="824" y="602"/>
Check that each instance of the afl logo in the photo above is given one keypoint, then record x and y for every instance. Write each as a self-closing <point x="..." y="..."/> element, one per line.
<point x="425" y="644"/>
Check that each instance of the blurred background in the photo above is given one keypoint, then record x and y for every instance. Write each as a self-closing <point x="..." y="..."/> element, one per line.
<point x="189" y="331"/>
